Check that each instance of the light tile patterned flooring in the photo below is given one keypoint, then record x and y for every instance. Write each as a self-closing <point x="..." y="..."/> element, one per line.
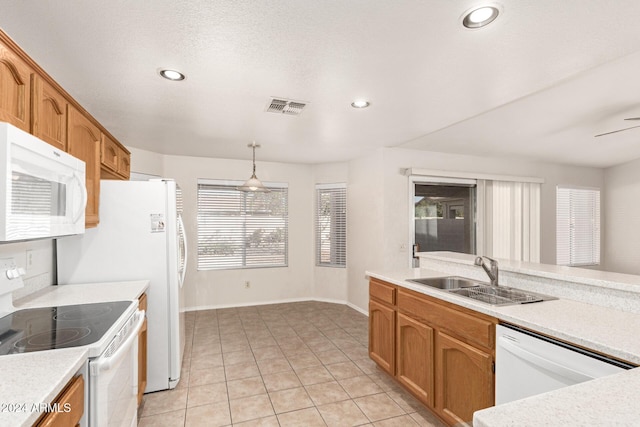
<point x="296" y="364"/>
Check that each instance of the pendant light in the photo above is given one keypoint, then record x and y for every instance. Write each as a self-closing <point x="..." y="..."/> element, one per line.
<point x="253" y="184"/>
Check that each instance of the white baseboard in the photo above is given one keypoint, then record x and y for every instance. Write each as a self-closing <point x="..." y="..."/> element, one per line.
<point x="283" y="301"/>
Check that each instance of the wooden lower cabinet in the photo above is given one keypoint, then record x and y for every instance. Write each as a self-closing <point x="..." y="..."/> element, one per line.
<point x="142" y="350"/>
<point x="440" y="352"/>
<point x="414" y="358"/>
<point x="465" y="380"/>
<point x="382" y="327"/>
<point x="70" y="404"/>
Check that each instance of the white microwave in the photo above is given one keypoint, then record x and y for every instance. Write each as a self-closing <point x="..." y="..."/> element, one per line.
<point x="42" y="189"/>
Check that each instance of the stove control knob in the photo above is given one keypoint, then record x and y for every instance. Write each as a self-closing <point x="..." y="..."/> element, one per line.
<point x="14" y="273"/>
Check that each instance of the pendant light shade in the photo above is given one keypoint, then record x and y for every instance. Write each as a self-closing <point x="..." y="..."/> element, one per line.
<point x="253" y="184"/>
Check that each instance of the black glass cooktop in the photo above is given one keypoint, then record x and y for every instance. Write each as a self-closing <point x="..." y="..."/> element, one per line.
<point x="37" y="329"/>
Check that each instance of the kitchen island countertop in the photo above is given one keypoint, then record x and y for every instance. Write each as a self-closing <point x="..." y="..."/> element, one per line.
<point x="605" y="401"/>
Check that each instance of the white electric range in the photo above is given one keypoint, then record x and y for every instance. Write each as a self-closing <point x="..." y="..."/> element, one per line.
<point x="107" y="330"/>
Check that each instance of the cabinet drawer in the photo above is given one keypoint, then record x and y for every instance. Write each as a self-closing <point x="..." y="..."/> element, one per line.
<point x="382" y="291"/>
<point x="71" y="405"/>
<point x="471" y="328"/>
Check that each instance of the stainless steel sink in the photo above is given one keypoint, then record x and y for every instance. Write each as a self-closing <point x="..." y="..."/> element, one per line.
<point x="501" y="296"/>
<point x="481" y="291"/>
<point x="451" y="282"/>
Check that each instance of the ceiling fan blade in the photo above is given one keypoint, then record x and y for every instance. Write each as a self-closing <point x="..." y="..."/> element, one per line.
<point x="616" y="131"/>
<point x="633" y="118"/>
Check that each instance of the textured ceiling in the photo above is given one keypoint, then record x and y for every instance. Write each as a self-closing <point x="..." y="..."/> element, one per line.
<point x="539" y="82"/>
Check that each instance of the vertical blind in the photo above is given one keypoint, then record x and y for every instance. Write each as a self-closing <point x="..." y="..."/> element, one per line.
<point x="509" y="215"/>
<point x="577" y="226"/>
<point x="331" y="225"/>
<point x="238" y="229"/>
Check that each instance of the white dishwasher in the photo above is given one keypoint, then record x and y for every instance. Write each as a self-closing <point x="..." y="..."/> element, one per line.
<point x="528" y="364"/>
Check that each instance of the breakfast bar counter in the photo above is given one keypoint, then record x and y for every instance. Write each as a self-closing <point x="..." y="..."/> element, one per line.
<point x="609" y="328"/>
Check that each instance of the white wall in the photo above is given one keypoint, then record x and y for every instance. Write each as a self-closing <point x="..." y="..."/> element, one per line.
<point x="217" y="288"/>
<point x="622" y="221"/>
<point x="143" y="161"/>
<point x="36" y="257"/>
<point x="379" y="199"/>
<point x="365" y="224"/>
<point x="377" y="218"/>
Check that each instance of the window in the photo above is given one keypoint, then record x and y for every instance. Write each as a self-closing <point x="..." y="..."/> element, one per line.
<point x="578" y="226"/>
<point x="443" y="216"/>
<point x="331" y="225"/>
<point x="238" y="229"/>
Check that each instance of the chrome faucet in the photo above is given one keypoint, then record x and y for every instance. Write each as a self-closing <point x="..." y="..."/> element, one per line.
<point x="491" y="272"/>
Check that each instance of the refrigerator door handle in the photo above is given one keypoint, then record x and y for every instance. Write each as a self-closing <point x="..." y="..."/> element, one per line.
<point x="182" y="236"/>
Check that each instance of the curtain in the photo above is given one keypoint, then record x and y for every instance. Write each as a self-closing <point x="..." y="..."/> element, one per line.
<point x="509" y="220"/>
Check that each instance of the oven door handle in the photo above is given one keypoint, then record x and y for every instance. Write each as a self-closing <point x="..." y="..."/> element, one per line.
<point x="103" y="364"/>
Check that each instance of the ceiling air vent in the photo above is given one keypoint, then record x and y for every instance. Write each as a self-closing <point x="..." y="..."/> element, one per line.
<point x="284" y="106"/>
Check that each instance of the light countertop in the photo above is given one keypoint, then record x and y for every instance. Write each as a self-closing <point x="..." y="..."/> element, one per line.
<point x="592" y="277"/>
<point x="604" y="401"/>
<point x="84" y="294"/>
<point x="31" y="379"/>
<point x="567" y="320"/>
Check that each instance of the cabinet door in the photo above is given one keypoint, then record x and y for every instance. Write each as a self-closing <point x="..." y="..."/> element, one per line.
<point x="71" y="398"/>
<point x="83" y="142"/>
<point x="109" y="153"/>
<point x="15" y="89"/>
<point x="382" y="336"/>
<point x="414" y="358"/>
<point x="124" y="165"/>
<point x="49" y="115"/>
<point x="464" y="382"/>
<point x="115" y="161"/>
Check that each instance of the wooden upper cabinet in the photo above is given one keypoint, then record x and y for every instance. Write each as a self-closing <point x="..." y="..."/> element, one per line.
<point x="15" y="89"/>
<point x="83" y="142"/>
<point x="109" y="151"/>
<point x="49" y="114"/>
<point x="124" y="166"/>
<point x="115" y="160"/>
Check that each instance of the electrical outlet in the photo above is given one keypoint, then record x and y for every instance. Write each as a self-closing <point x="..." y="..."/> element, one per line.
<point x="247" y="284"/>
<point x="29" y="260"/>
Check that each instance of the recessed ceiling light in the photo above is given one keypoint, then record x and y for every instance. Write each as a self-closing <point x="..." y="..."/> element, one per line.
<point x="481" y="16"/>
<point x="360" y="103"/>
<point x="172" y="75"/>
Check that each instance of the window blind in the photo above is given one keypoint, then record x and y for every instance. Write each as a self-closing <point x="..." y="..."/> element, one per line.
<point x="238" y="229"/>
<point x="577" y="226"/>
<point x="331" y="225"/>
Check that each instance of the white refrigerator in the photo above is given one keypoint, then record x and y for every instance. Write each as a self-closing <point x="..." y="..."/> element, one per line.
<point x="140" y="236"/>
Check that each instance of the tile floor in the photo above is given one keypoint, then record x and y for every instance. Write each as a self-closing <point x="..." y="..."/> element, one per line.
<point x="296" y="364"/>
